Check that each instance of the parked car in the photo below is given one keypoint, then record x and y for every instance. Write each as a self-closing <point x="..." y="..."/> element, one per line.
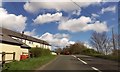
<point x="67" y="53"/>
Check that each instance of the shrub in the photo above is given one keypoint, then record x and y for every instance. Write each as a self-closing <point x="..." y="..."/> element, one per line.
<point x="89" y="52"/>
<point x="37" y="52"/>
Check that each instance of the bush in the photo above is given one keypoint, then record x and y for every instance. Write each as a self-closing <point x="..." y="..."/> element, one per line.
<point x="37" y="52"/>
<point x="89" y="52"/>
<point x="28" y="65"/>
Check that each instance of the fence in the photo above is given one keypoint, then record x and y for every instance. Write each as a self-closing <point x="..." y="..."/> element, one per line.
<point x="3" y="57"/>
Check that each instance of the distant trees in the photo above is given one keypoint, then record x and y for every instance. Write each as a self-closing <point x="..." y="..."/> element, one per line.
<point x="77" y="48"/>
<point x="58" y="51"/>
<point x="101" y="42"/>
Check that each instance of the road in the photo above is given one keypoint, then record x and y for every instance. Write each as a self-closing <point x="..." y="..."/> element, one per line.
<point x="81" y="63"/>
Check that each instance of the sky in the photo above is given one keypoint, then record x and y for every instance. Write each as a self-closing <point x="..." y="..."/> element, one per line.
<point x="60" y="23"/>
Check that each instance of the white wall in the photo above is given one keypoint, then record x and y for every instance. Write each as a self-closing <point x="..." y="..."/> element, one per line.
<point x="49" y="47"/>
<point x="25" y="51"/>
<point x="34" y="44"/>
<point x="0" y="52"/>
<point x="10" y="49"/>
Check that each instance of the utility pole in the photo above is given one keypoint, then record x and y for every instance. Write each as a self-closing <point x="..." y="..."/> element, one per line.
<point x="113" y="40"/>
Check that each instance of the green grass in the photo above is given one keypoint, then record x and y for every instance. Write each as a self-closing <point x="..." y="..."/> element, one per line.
<point x="108" y="57"/>
<point x="29" y="64"/>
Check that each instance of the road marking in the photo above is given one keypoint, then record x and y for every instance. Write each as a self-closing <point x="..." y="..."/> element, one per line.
<point x="96" y="69"/>
<point x="82" y="61"/>
<point x="74" y="56"/>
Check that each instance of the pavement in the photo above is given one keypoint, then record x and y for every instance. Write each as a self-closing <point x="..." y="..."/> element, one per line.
<point x="81" y="63"/>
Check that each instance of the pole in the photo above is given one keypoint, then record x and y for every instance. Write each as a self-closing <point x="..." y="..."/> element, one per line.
<point x="113" y="39"/>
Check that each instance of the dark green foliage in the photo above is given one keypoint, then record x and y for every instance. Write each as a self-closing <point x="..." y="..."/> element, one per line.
<point x="37" y="52"/>
<point x="90" y="51"/>
<point x="27" y="65"/>
<point x="76" y="48"/>
<point x="58" y="51"/>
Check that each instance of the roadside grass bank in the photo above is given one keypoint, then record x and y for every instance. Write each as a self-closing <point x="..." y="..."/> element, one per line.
<point x="115" y="56"/>
<point x="108" y="57"/>
<point x="27" y="65"/>
<point x="38" y="57"/>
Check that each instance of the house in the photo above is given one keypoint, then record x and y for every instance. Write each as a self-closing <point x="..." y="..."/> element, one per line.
<point x="10" y="45"/>
<point x="28" y="40"/>
<point x="11" y="41"/>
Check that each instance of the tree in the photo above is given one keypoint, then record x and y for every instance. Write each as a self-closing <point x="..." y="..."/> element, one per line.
<point x="77" y="48"/>
<point x="117" y="41"/>
<point x="66" y="50"/>
<point x="58" y="51"/>
<point x="101" y="42"/>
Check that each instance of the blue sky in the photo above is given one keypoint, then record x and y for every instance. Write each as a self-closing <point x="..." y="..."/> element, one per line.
<point x="63" y="24"/>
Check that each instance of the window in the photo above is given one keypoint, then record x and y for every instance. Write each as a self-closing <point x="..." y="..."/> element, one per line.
<point x="29" y="42"/>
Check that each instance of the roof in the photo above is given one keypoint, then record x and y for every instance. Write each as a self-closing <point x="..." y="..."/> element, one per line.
<point x="6" y="39"/>
<point x="25" y="46"/>
<point x="22" y="36"/>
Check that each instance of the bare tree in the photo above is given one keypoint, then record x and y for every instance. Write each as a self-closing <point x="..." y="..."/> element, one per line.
<point x="100" y="42"/>
<point x="117" y="41"/>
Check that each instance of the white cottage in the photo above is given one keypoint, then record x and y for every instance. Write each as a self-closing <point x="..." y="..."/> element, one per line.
<point x="20" y="43"/>
<point x="9" y="45"/>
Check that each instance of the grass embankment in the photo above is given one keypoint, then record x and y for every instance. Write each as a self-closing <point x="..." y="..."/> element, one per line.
<point x="91" y="52"/>
<point x="27" y="65"/>
<point x="108" y="57"/>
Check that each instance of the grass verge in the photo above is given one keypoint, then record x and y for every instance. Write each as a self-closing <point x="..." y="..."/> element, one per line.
<point x="108" y="57"/>
<point x="27" y="65"/>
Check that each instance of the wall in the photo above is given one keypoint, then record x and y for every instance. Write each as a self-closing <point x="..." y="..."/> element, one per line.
<point x="25" y="51"/>
<point x="0" y="52"/>
<point x="10" y="49"/>
<point x="34" y="44"/>
<point x="49" y="47"/>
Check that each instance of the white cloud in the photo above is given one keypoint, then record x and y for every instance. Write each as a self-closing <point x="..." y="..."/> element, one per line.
<point x="45" y="18"/>
<point x="97" y="26"/>
<point x="12" y="21"/>
<point x="0" y="3"/>
<point x="30" y="33"/>
<point x="71" y="42"/>
<point x="65" y="0"/>
<point x="87" y="45"/>
<point x="109" y="9"/>
<point x="95" y="15"/>
<point x="77" y="12"/>
<point x="74" y="25"/>
<point x="83" y="24"/>
<point x="33" y="7"/>
<point x="58" y="35"/>
<point x="60" y="40"/>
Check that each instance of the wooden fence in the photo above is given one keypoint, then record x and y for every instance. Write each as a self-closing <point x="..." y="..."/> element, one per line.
<point x="3" y="57"/>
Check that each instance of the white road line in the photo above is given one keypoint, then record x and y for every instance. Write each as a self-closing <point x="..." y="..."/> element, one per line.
<point x="74" y="56"/>
<point x="82" y="61"/>
<point x="96" y="69"/>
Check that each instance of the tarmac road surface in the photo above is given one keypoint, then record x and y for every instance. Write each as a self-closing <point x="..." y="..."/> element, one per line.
<point x="81" y="63"/>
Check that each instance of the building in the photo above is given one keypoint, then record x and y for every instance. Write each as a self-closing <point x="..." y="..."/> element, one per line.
<point x="11" y="41"/>
<point x="9" y="45"/>
<point x="28" y="40"/>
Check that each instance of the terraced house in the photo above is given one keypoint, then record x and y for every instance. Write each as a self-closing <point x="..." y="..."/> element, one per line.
<point x="11" y="41"/>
